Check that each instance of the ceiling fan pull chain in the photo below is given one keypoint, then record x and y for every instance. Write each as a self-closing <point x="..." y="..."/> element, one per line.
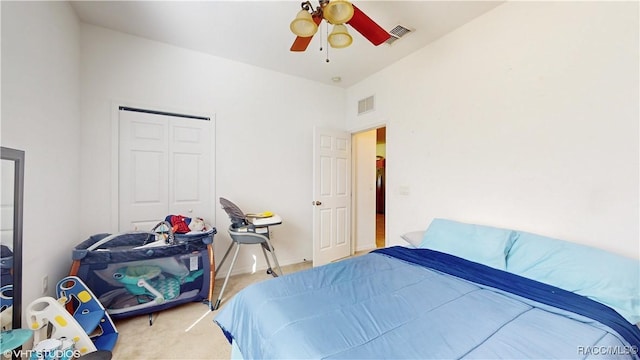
<point x="321" y="41"/>
<point x="327" y="37"/>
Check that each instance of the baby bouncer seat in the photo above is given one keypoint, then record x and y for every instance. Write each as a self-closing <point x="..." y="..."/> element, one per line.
<point x="243" y="231"/>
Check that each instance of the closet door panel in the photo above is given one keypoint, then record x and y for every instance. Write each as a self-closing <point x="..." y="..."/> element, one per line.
<point x="190" y="184"/>
<point x="164" y="168"/>
<point x="143" y="181"/>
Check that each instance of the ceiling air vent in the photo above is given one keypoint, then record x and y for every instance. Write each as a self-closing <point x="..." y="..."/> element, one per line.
<point x="396" y="33"/>
<point x="365" y="105"/>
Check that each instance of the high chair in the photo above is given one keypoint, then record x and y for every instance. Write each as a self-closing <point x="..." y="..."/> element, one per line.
<point x="247" y="230"/>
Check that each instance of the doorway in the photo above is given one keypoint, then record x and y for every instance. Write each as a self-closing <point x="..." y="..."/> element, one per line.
<point x="369" y="183"/>
<point x="381" y="155"/>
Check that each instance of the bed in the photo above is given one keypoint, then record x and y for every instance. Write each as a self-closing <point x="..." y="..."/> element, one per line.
<point x="464" y="291"/>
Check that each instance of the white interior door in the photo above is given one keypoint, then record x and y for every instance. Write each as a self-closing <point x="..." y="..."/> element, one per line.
<point x="190" y="167"/>
<point x="164" y="168"/>
<point x="143" y="170"/>
<point x="331" y="195"/>
<point x="364" y="190"/>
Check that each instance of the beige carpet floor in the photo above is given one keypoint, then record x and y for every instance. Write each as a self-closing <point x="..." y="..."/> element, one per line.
<point x="186" y="331"/>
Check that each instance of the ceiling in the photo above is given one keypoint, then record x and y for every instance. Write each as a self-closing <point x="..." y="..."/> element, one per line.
<point x="257" y="32"/>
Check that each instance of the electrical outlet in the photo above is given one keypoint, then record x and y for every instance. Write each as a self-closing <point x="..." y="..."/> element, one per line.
<point x="45" y="284"/>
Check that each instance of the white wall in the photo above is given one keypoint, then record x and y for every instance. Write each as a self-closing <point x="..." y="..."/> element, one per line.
<point x="40" y="115"/>
<point x="525" y="118"/>
<point x="264" y="131"/>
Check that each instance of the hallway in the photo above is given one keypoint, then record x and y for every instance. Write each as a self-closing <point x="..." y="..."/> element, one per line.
<point x="379" y="230"/>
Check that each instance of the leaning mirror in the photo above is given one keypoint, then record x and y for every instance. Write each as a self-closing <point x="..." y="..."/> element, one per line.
<point x="11" y="203"/>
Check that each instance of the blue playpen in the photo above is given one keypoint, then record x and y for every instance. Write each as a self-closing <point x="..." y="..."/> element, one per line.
<point x="144" y="272"/>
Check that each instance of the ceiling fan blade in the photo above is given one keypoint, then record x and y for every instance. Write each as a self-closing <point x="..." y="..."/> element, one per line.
<point x="368" y="28"/>
<point x="301" y="43"/>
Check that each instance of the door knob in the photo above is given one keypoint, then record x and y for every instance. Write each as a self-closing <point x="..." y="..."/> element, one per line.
<point x="316" y="203"/>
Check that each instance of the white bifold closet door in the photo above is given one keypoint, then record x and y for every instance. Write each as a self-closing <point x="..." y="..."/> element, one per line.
<point x="165" y="164"/>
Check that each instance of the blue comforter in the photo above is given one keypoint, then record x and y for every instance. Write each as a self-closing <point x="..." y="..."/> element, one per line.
<point x="419" y="304"/>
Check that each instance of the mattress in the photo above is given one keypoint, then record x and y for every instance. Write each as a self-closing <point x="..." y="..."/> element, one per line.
<point x="419" y="303"/>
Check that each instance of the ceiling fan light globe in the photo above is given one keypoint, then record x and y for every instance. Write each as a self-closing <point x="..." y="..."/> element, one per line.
<point x="338" y="11"/>
<point x="303" y="25"/>
<point x="339" y="37"/>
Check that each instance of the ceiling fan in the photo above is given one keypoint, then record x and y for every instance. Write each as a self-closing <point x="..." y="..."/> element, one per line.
<point x="337" y="13"/>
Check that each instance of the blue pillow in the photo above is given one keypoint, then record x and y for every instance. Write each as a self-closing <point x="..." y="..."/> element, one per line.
<point x="610" y="279"/>
<point x="482" y="244"/>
